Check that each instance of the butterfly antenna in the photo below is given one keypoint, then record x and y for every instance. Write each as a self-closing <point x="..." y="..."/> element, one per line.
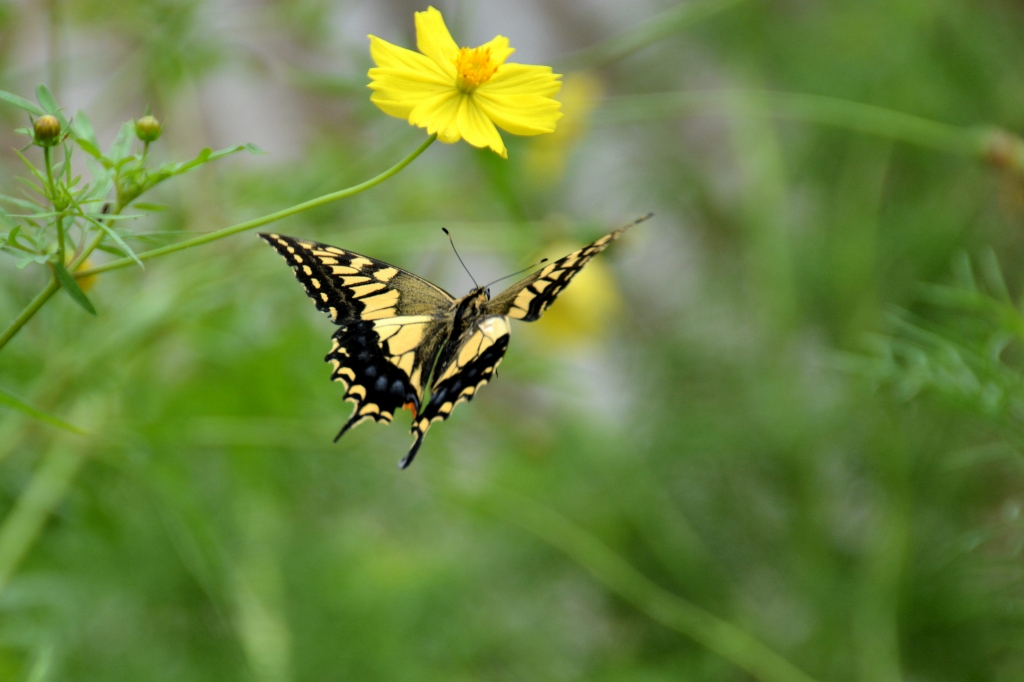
<point x="528" y="267"/>
<point x="445" y="230"/>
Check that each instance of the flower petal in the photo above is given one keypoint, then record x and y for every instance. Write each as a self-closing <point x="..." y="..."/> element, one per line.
<point x="403" y="78"/>
<point x="390" y="56"/>
<point x="434" y="40"/>
<point x="520" y="79"/>
<point x="500" y="51"/>
<point x="477" y="129"/>
<point x="519" y="99"/>
<point x="521" y="114"/>
<point x="438" y="114"/>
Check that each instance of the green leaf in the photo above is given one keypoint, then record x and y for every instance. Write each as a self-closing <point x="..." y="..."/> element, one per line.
<point x="15" y="403"/>
<point x="122" y="145"/>
<point x="12" y="236"/>
<point x="100" y="173"/>
<point x="47" y="102"/>
<point x="106" y="248"/>
<point x="35" y="171"/>
<point x="83" y="130"/>
<point x="6" y="220"/>
<point x="117" y="238"/>
<point x="28" y="205"/>
<point x="21" y="103"/>
<point x="74" y="291"/>
<point x="28" y="183"/>
<point x="37" y="216"/>
<point x="30" y="258"/>
<point x="207" y="155"/>
<point x="89" y="148"/>
<point x="150" y="207"/>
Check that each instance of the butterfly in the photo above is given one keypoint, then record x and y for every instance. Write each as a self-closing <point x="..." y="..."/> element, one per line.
<point x="398" y="333"/>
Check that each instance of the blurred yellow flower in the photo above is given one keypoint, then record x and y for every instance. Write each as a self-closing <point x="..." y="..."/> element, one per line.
<point x="85" y="283"/>
<point x="462" y="93"/>
<point x="547" y="157"/>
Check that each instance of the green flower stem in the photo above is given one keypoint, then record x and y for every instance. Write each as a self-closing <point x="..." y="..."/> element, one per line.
<point x="31" y="309"/>
<point x="990" y="144"/>
<point x="60" y="239"/>
<point x="25" y="521"/>
<point x="52" y="189"/>
<point x="719" y="636"/>
<point x="54" y="286"/>
<point x="257" y="222"/>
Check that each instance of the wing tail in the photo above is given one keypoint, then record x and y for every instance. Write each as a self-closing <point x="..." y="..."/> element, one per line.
<point x="354" y="420"/>
<point x="407" y="460"/>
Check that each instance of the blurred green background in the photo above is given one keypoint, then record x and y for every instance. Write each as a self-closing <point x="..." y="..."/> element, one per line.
<point x="787" y="410"/>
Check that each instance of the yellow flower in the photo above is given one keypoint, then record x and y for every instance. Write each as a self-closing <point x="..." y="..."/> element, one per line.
<point x="462" y="93"/>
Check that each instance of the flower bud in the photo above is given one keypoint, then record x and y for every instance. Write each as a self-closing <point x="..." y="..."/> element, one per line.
<point x="148" y="129"/>
<point x="46" y="130"/>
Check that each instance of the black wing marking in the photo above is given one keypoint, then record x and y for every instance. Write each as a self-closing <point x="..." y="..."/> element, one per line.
<point x="461" y="373"/>
<point x="382" y="364"/>
<point x="348" y="286"/>
<point x="528" y="298"/>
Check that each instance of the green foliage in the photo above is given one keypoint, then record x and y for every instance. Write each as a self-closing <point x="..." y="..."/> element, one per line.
<point x="66" y="214"/>
<point x="965" y="348"/>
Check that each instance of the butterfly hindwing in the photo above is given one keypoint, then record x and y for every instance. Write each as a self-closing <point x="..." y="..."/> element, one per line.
<point x="348" y="286"/>
<point x="383" y="364"/>
<point x="461" y="371"/>
<point x="528" y="298"/>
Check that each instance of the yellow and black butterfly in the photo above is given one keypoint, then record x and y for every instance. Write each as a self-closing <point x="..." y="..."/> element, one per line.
<point x="398" y="332"/>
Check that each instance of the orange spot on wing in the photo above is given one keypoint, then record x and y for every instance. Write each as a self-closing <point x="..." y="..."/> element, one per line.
<point x="411" y="407"/>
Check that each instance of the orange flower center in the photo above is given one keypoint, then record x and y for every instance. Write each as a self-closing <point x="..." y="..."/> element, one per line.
<point x="473" y="66"/>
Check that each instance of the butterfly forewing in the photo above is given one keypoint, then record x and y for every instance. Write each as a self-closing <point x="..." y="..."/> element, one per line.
<point x="528" y="298"/>
<point x="349" y="286"/>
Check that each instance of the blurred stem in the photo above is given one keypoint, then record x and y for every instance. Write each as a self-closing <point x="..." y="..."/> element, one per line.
<point x="764" y="206"/>
<point x="658" y="28"/>
<point x="25" y="521"/>
<point x="257" y="222"/>
<point x="987" y="143"/>
<point x="720" y="636"/>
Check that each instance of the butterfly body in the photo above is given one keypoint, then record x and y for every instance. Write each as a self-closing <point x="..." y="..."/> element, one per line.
<point x="398" y="333"/>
